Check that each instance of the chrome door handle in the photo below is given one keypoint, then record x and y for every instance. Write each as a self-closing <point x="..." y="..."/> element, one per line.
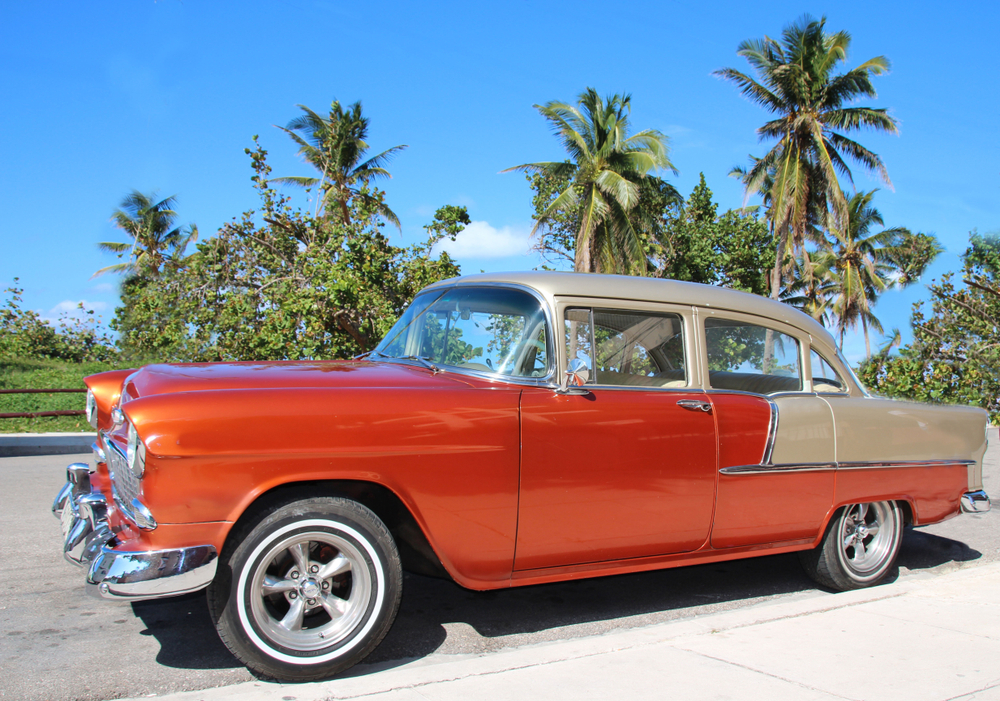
<point x="695" y="404"/>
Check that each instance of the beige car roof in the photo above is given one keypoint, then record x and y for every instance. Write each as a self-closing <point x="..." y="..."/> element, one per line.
<point x="560" y="284"/>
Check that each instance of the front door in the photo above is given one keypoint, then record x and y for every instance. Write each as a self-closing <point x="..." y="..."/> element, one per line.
<point x="628" y="469"/>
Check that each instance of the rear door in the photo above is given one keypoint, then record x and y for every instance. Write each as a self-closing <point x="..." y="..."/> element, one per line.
<point x="776" y="483"/>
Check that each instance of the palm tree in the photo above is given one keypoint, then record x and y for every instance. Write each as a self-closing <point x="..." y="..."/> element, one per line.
<point x="862" y="265"/>
<point x="797" y="83"/>
<point x="812" y="287"/>
<point x="335" y="146"/>
<point x="156" y="243"/>
<point x="605" y="175"/>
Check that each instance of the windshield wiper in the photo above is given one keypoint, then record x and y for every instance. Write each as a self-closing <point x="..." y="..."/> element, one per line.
<point x="423" y="361"/>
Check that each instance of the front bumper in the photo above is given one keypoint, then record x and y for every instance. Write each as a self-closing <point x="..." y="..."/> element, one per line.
<point x="112" y="571"/>
<point x="975" y="502"/>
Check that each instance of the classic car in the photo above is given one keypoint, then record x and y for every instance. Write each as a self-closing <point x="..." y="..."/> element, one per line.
<point x="510" y="429"/>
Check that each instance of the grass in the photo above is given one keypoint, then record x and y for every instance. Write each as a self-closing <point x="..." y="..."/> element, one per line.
<point x="44" y="374"/>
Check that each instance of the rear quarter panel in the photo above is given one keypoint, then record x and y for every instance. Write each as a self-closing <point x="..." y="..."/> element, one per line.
<point x="871" y="431"/>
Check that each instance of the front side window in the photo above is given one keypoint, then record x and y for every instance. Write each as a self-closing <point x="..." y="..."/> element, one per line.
<point x="751" y="358"/>
<point x="624" y="347"/>
<point x="824" y="377"/>
<point x="494" y="330"/>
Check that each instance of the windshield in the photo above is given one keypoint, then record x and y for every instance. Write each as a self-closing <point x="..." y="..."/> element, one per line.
<point x="492" y="330"/>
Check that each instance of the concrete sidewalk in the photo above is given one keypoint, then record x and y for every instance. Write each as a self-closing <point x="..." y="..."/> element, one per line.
<point x="930" y="637"/>
<point x="16" y="444"/>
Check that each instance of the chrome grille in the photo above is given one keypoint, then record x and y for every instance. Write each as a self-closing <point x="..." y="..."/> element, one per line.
<point x="125" y="482"/>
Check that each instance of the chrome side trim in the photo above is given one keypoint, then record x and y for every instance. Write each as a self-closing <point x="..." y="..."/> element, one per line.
<point x="772" y="432"/>
<point x="803" y="467"/>
<point x="134" y="576"/>
<point x="765" y="468"/>
<point x="975" y="502"/>
<point x="876" y="465"/>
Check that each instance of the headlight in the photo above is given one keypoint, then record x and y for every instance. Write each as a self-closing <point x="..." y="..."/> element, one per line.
<point x="135" y="452"/>
<point x="91" y="408"/>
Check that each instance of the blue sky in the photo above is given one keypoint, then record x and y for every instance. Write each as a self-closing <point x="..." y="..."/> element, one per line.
<point x="101" y="98"/>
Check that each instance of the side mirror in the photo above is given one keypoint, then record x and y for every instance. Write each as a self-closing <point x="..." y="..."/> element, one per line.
<point x="575" y="379"/>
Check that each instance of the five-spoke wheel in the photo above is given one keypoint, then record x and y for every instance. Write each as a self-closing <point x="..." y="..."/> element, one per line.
<point x="309" y="591"/>
<point x="859" y="548"/>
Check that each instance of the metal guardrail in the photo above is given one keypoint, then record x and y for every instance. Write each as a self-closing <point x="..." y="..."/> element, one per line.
<point x="37" y="414"/>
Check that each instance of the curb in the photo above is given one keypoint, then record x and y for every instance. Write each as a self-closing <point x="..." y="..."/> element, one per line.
<point x="21" y="444"/>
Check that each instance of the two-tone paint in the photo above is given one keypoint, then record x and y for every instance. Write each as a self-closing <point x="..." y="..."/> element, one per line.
<point x="511" y="483"/>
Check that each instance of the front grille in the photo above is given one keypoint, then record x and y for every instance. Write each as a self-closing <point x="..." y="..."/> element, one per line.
<point x="125" y="482"/>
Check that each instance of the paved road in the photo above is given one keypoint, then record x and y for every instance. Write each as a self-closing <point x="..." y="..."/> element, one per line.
<point x="57" y="643"/>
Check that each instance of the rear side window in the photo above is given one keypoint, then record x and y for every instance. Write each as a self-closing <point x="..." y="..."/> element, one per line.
<point x="751" y="358"/>
<point x="627" y="348"/>
<point x="824" y="377"/>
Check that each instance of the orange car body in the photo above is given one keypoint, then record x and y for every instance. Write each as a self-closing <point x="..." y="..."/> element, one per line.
<point x="506" y="483"/>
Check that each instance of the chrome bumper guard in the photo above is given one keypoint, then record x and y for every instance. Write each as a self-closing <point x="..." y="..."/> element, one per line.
<point x="975" y="502"/>
<point x="120" y="574"/>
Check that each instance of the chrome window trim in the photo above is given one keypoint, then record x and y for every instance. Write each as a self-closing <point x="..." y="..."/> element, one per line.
<point x="801" y="337"/>
<point x="692" y="371"/>
<point x="642" y="388"/>
<point x="544" y="381"/>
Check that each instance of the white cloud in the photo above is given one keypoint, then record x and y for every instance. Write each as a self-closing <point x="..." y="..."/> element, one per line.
<point x="480" y="240"/>
<point x="71" y="309"/>
<point x="103" y="287"/>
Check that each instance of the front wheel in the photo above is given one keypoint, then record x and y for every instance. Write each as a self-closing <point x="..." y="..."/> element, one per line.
<point x="307" y="591"/>
<point x="859" y="548"/>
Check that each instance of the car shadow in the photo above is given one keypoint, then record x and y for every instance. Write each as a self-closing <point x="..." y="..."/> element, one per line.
<point x="922" y="550"/>
<point x="438" y="615"/>
<point x="185" y="632"/>
<point x="542" y="612"/>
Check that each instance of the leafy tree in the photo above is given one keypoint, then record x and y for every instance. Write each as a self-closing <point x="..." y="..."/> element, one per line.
<point x="156" y="242"/>
<point x="26" y="335"/>
<point x="796" y="82"/>
<point x="278" y="283"/>
<point x="555" y="234"/>
<point x="955" y="355"/>
<point x="812" y="288"/>
<point x="336" y="146"/>
<point x="859" y="265"/>
<point x="604" y="177"/>
<point x="843" y="279"/>
<point x="699" y="245"/>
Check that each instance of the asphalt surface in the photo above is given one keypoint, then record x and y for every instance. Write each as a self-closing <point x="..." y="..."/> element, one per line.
<point x="57" y="643"/>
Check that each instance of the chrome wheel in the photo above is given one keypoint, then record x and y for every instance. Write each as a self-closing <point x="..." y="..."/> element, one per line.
<point x="309" y="591"/>
<point x="868" y="537"/>
<point x="859" y="547"/>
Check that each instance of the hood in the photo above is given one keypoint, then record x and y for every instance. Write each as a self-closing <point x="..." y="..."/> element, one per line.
<point x="199" y="377"/>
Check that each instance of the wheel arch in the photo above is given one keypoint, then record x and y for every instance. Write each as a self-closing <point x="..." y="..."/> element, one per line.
<point x="906" y="507"/>
<point x="415" y="551"/>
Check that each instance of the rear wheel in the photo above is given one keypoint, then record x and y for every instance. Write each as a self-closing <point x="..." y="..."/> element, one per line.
<point x="859" y="548"/>
<point x="307" y="591"/>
